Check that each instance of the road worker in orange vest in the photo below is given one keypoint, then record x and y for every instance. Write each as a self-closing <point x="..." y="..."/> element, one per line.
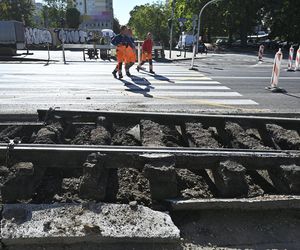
<point x="121" y="41"/>
<point x="147" y="53"/>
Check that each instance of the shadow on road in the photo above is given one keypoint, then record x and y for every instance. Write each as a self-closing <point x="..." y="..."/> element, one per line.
<point x="291" y="95"/>
<point x="158" y="77"/>
<point x="141" y="81"/>
<point x="134" y="88"/>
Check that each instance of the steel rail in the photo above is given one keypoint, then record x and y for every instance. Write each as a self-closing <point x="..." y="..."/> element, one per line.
<point x="141" y="149"/>
<point x="82" y="115"/>
<point x="273" y="202"/>
<point x="24" y="124"/>
<point x="73" y="156"/>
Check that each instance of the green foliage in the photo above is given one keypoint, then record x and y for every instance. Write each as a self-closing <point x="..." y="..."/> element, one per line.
<point x="235" y="19"/>
<point x="73" y="18"/>
<point x="282" y="16"/>
<point x="150" y="18"/>
<point x="19" y="10"/>
<point x="53" y="11"/>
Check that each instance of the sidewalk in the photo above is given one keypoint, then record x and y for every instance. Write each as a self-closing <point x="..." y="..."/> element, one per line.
<point x="177" y="56"/>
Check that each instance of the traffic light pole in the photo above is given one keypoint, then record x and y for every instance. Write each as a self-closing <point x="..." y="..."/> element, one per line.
<point x="171" y="28"/>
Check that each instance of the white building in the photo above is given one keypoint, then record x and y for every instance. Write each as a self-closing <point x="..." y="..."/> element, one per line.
<point x="97" y="14"/>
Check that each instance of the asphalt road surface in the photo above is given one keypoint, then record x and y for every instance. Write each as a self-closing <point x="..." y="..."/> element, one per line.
<point x="223" y="83"/>
<point x="243" y="73"/>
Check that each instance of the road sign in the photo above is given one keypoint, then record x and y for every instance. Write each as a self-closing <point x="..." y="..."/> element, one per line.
<point x="182" y="19"/>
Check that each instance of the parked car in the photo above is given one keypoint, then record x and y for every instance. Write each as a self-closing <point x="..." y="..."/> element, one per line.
<point x="221" y="41"/>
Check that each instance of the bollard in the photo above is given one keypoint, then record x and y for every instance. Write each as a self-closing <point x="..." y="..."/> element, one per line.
<point x="297" y="62"/>
<point x="275" y="74"/>
<point x="261" y="52"/>
<point x="291" y="57"/>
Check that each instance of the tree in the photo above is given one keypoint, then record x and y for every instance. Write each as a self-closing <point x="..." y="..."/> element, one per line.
<point x="72" y="18"/>
<point x="235" y="19"/>
<point x="283" y="19"/>
<point x="150" y="18"/>
<point x="225" y="18"/>
<point x="53" y="11"/>
<point x="19" y="10"/>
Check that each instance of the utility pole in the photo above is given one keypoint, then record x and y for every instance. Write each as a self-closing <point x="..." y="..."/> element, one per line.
<point x="171" y="28"/>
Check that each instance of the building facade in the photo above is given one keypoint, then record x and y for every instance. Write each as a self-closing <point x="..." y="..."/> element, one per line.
<point x="97" y="14"/>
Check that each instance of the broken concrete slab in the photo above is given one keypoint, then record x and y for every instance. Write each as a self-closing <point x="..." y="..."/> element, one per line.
<point x="21" y="182"/>
<point x="100" y="136"/>
<point x="154" y="134"/>
<point x="92" y="222"/>
<point x="285" y="139"/>
<point x="242" y="139"/>
<point x="197" y="136"/>
<point x="230" y="179"/>
<point x="51" y="134"/>
<point x="135" y="132"/>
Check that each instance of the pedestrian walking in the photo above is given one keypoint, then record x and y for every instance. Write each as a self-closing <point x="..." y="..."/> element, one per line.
<point x="147" y="53"/>
<point x="121" y="41"/>
<point x="261" y="52"/>
<point x="130" y="57"/>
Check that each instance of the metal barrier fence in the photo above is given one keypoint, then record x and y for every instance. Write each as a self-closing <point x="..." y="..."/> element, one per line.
<point x="156" y="49"/>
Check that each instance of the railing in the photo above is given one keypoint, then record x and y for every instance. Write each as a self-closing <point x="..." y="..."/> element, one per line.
<point x="108" y="48"/>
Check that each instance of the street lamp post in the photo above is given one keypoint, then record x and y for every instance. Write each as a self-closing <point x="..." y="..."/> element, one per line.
<point x="62" y="24"/>
<point x="196" y="45"/>
<point x="171" y="28"/>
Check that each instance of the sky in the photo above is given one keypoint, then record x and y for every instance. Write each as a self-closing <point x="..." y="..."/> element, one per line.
<point x="123" y="7"/>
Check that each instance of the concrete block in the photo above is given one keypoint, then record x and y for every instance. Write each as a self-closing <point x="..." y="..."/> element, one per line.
<point x="286" y="179"/>
<point x="29" y="224"/>
<point x="162" y="177"/>
<point x="230" y="179"/>
<point x="93" y="183"/>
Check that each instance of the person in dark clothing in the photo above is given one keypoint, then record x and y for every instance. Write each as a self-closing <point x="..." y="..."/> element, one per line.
<point x="147" y="53"/>
<point x="121" y="41"/>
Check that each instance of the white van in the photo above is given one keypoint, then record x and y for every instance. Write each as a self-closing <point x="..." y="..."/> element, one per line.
<point x="186" y="42"/>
